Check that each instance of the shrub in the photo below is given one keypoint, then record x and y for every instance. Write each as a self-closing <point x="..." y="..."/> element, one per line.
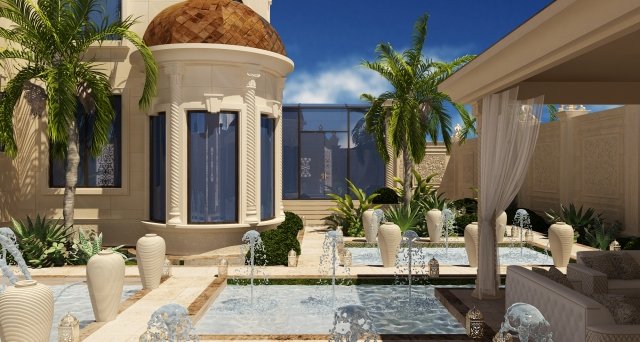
<point x="630" y="243"/>
<point x="277" y="244"/>
<point x="292" y="223"/>
<point x="574" y="217"/>
<point x="405" y="216"/>
<point x="463" y="220"/>
<point x="600" y="235"/>
<point x="88" y="245"/>
<point x="43" y="242"/>
<point x="348" y="213"/>
<point x="386" y="196"/>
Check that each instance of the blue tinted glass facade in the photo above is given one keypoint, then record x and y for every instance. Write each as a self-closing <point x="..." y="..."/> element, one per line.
<point x="103" y="171"/>
<point x="158" y="167"/>
<point x="213" y="179"/>
<point x="323" y="146"/>
<point x="267" y="169"/>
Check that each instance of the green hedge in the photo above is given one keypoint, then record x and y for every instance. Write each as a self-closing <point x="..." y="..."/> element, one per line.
<point x="386" y="196"/>
<point x="278" y="242"/>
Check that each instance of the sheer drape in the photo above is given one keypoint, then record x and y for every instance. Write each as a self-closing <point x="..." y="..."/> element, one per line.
<point x="508" y="133"/>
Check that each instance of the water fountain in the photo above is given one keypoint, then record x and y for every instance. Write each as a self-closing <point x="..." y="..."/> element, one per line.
<point x="447" y="222"/>
<point x="353" y="323"/>
<point x="170" y="322"/>
<point x="522" y="221"/>
<point x="408" y="255"/>
<point x="329" y="260"/>
<point x="255" y="248"/>
<point x="9" y="244"/>
<point x="527" y="322"/>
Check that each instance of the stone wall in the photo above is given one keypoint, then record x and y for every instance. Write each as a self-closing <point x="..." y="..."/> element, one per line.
<point x="588" y="159"/>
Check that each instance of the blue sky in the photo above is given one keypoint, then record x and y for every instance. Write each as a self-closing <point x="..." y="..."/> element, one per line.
<point x="328" y="39"/>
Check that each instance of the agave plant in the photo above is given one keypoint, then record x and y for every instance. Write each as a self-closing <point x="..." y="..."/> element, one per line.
<point x="600" y="235"/>
<point x="43" y="242"/>
<point x="88" y="245"/>
<point x="574" y="217"/>
<point x="405" y="216"/>
<point x="347" y="213"/>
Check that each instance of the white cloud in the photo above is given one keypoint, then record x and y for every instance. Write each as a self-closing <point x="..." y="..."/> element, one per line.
<point x="338" y="84"/>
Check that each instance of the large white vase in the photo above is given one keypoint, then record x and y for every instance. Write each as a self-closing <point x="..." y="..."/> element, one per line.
<point x="105" y="278"/>
<point x="389" y="236"/>
<point x="434" y="216"/>
<point x="371" y="225"/>
<point x="150" y="251"/>
<point x="501" y="226"/>
<point x="560" y="241"/>
<point x="26" y="312"/>
<point x="471" y="243"/>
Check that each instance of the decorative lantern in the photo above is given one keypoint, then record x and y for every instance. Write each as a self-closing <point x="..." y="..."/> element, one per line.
<point x="223" y="268"/>
<point x="348" y="258"/>
<point x="614" y="246"/>
<point x="166" y="268"/>
<point x="147" y="336"/>
<point x="528" y="236"/>
<point x="434" y="268"/>
<point x="292" y="260"/>
<point x="475" y="323"/>
<point x="69" y="329"/>
<point x="503" y="337"/>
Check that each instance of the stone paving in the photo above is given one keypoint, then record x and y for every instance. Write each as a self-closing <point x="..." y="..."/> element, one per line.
<point x="188" y="284"/>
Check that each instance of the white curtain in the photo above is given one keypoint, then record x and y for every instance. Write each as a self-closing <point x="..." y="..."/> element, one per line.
<point x="508" y="133"/>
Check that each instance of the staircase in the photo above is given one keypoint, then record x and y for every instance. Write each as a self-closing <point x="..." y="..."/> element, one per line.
<point x="313" y="211"/>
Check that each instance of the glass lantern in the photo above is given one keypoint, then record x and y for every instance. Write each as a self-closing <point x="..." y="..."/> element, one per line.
<point x="614" y="246"/>
<point x="166" y="268"/>
<point x="223" y="268"/>
<point x="292" y="259"/>
<point x="147" y="337"/>
<point x="348" y="258"/>
<point x="475" y="323"/>
<point x="69" y="329"/>
<point x="434" y="268"/>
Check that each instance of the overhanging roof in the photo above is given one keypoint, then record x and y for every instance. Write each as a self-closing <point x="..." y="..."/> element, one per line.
<point x="573" y="51"/>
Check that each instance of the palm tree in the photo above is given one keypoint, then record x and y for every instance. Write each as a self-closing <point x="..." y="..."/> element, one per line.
<point x="47" y="41"/>
<point x="414" y="109"/>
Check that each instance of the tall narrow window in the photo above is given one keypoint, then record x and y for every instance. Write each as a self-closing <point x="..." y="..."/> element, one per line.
<point x="267" y="171"/>
<point x="103" y="171"/>
<point x="290" y="153"/>
<point x="158" y="168"/>
<point x="213" y="182"/>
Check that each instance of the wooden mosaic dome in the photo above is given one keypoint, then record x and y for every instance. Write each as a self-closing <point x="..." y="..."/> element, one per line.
<point x="213" y="21"/>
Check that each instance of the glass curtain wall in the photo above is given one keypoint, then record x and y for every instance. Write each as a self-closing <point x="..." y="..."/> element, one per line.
<point x="158" y="169"/>
<point x="322" y="147"/>
<point x="213" y="183"/>
<point x="267" y="169"/>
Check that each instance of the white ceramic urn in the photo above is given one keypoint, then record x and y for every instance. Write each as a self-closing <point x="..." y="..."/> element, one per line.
<point x="150" y="251"/>
<point x="389" y="237"/>
<point x="26" y="312"/>
<point x="471" y="243"/>
<point x="560" y="241"/>
<point x="371" y="225"/>
<point x="105" y="278"/>
<point x="501" y="227"/>
<point x="434" y="226"/>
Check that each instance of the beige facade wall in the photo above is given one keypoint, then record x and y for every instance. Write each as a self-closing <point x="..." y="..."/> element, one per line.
<point x="588" y="159"/>
<point x="119" y="213"/>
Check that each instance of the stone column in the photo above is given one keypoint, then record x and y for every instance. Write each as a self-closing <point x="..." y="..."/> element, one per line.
<point x="252" y="158"/>
<point x="566" y="115"/>
<point x="174" y="148"/>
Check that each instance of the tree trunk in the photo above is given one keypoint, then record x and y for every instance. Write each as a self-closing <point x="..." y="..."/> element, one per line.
<point x="71" y="173"/>
<point x="408" y="176"/>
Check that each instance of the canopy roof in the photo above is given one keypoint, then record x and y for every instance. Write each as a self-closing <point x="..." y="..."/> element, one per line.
<point x="573" y="51"/>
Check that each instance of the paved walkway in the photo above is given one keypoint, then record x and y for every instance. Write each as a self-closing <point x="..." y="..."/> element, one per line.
<point x="188" y="284"/>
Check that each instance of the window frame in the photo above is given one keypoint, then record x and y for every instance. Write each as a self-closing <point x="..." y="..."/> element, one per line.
<point x="237" y="165"/>
<point x="84" y="154"/>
